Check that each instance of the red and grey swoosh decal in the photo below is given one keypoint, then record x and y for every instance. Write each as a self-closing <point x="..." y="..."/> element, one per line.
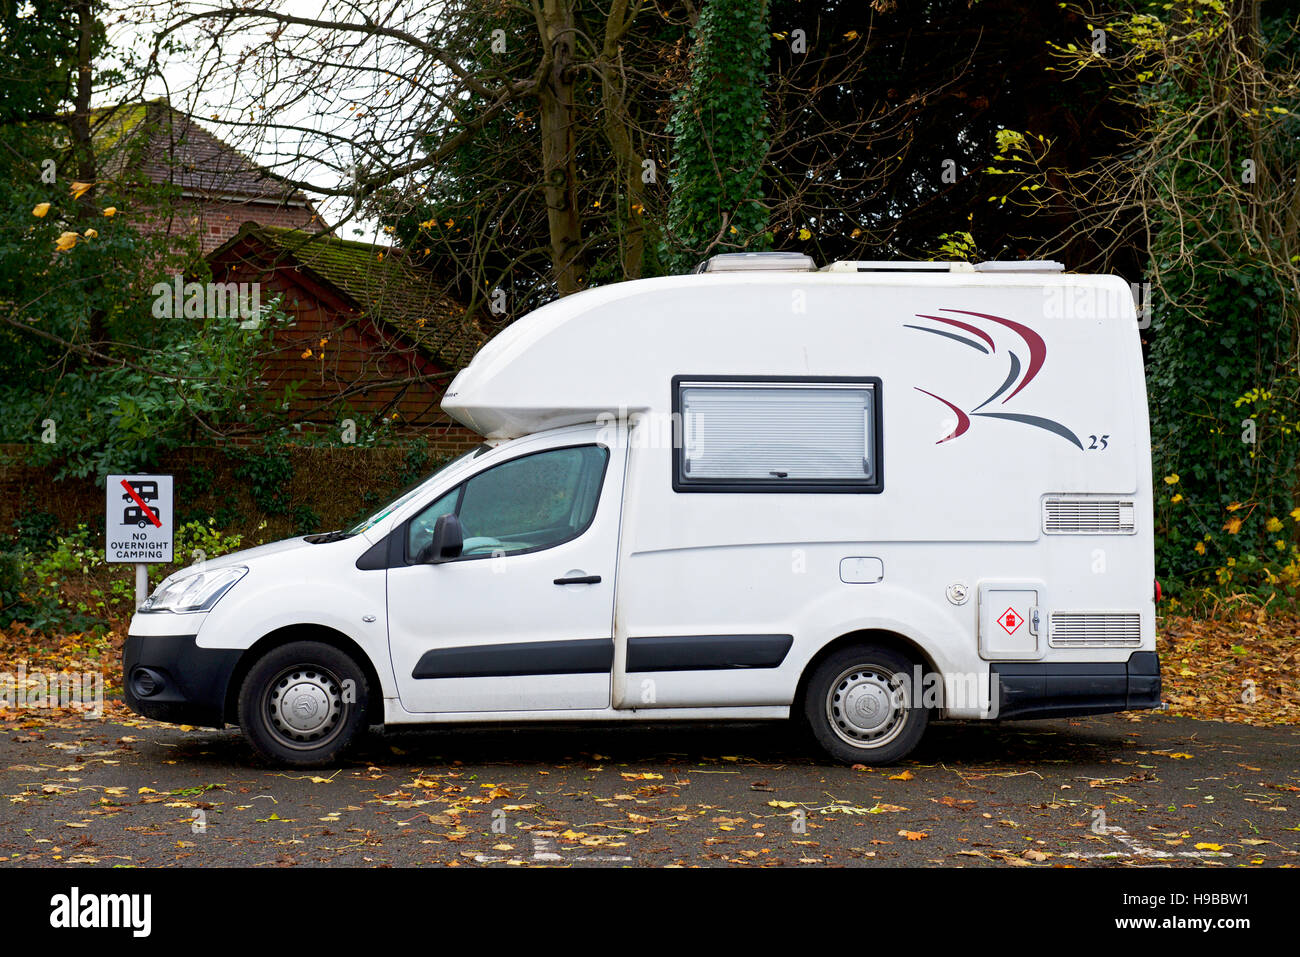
<point x="963" y="420"/>
<point x="1006" y="384"/>
<point x="965" y="326"/>
<point x="1037" y="349"/>
<point x="1037" y="421"/>
<point x="951" y="335"/>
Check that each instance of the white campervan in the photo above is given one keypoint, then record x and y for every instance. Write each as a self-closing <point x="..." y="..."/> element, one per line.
<point x="861" y="497"/>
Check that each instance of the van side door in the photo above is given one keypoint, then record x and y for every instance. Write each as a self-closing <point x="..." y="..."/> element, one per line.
<point x="522" y="619"/>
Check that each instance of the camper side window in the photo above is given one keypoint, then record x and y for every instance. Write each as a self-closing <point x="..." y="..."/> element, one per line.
<point x="773" y="435"/>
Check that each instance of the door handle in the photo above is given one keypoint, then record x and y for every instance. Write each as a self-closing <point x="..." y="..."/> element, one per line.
<point x="579" y="580"/>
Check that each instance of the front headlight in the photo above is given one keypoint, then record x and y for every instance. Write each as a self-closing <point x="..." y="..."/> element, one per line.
<point x="194" y="592"/>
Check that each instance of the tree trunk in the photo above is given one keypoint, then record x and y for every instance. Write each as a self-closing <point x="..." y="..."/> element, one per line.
<point x="618" y="133"/>
<point x="560" y="185"/>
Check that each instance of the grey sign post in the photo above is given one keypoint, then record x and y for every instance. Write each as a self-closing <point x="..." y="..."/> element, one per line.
<point x="138" y="524"/>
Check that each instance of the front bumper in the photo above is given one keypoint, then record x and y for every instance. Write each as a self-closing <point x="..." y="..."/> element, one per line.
<point x="1063" y="689"/>
<point x="189" y="683"/>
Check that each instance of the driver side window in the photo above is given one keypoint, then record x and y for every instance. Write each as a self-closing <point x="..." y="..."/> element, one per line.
<point x="535" y="501"/>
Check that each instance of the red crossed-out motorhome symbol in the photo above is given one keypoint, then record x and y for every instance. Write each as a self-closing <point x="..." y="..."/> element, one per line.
<point x="1010" y="621"/>
<point x="148" y="512"/>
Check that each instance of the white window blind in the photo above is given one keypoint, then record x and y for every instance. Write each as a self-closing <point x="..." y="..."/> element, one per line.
<point x="778" y="433"/>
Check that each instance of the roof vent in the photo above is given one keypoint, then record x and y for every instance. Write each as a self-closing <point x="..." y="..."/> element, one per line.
<point x="896" y="265"/>
<point x="1027" y="265"/>
<point x="757" y="262"/>
<point x="899" y="265"/>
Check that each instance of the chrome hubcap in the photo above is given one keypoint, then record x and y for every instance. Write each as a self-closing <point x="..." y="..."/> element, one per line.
<point x="304" y="706"/>
<point x="867" y="706"/>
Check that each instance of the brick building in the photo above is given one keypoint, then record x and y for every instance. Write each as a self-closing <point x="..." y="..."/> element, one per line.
<point x="215" y="187"/>
<point x="371" y="335"/>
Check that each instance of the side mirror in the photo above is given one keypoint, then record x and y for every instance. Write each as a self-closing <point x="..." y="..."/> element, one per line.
<point x="448" y="540"/>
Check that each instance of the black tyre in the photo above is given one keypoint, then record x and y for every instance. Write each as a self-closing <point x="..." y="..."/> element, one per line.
<point x="303" y="704"/>
<point x="859" y="706"/>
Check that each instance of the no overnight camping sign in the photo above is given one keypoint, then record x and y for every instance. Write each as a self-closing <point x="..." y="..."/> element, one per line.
<point x="138" y="525"/>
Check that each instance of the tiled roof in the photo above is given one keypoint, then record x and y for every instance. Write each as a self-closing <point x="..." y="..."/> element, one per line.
<point x="384" y="285"/>
<point x="163" y="145"/>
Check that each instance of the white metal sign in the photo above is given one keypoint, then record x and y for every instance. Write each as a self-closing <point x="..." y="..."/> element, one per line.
<point x="138" y="524"/>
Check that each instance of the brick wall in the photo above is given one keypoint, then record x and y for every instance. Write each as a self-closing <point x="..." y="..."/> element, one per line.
<point x="216" y="221"/>
<point x="330" y="351"/>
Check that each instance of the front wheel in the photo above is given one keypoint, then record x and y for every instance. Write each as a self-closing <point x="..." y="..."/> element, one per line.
<point x="303" y="704"/>
<point x="861" y="706"/>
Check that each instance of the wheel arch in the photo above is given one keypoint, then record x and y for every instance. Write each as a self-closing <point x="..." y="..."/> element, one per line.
<point x="882" y="637"/>
<point x="306" y="632"/>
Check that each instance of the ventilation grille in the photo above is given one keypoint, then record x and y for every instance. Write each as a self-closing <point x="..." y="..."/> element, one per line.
<point x="1095" y="629"/>
<point x="1090" y="516"/>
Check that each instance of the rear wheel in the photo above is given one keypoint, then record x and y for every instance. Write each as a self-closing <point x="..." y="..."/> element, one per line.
<point x="303" y="704"/>
<point x="861" y="706"/>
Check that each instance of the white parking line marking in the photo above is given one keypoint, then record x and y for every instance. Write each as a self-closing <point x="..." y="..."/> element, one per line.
<point x="1137" y="849"/>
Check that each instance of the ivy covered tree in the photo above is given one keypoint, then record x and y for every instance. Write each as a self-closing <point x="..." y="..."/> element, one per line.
<point x="719" y="129"/>
<point x="1208" y="178"/>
